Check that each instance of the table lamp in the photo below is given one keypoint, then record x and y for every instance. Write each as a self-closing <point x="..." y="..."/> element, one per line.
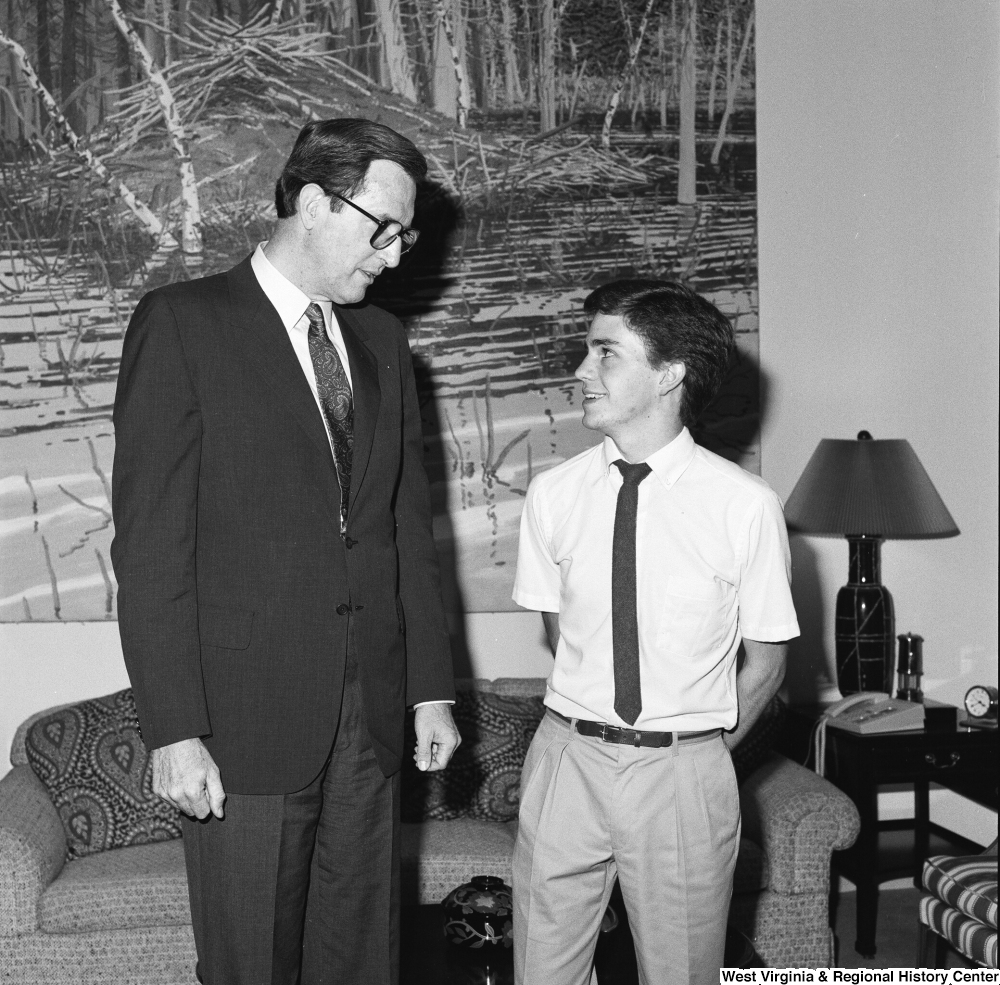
<point x="869" y="491"/>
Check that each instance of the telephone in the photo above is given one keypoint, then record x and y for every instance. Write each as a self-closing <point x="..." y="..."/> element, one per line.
<point x="872" y="711"/>
<point x="866" y="713"/>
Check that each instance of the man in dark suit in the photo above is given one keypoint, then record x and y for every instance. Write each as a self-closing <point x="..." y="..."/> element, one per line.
<point x="279" y="600"/>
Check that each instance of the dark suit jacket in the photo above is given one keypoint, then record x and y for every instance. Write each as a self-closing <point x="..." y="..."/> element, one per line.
<point x="236" y="590"/>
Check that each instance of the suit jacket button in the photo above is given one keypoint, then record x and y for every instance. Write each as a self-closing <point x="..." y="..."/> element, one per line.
<point x="343" y="609"/>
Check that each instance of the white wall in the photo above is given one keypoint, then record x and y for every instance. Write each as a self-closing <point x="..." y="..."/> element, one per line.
<point x="46" y="664"/>
<point x="877" y="130"/>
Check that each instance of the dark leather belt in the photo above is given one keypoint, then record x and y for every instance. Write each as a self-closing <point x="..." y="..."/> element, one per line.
<point x="634" y="737"/>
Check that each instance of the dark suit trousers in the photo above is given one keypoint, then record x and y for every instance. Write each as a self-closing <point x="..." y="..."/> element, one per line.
<point x="303" y="888"/>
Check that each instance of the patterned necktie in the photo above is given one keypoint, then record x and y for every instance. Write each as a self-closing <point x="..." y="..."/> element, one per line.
<point x="338" y="404"/>
<point x="624" y="620"/>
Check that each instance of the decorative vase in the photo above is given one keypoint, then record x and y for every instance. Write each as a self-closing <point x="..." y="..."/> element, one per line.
<point x="479" y="914"/>
<point x="865" y="628"/>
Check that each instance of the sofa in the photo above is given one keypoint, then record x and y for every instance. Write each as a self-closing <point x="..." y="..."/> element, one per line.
<point x="92" y="882"/>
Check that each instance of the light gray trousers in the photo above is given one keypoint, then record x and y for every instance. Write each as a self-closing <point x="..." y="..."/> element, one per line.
<point x="666" y="821"/>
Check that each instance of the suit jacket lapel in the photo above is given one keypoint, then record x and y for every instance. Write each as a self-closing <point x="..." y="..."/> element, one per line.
<point x="367" y="395"/>
<point x="261" y="336"/>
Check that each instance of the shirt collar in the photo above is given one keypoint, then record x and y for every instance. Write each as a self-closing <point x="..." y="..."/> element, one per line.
<point x="288" y="300"/>
<point x="668" y="463"/>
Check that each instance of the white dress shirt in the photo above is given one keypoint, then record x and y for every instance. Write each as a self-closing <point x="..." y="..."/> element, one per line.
<point x="712" y="563"/>
<point x="291" y="304"/>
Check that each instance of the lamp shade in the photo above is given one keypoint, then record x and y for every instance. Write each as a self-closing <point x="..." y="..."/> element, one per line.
<point x="867" y="487"/>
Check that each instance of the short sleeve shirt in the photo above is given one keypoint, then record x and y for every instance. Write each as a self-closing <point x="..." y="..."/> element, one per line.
<point x="713" y="566"/>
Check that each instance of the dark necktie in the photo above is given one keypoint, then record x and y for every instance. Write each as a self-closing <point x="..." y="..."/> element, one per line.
<point x="624" y="619"/>
<point x="337" y="401"/>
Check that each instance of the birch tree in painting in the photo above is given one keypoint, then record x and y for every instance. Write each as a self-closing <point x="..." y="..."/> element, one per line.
<point x="451" y="97"/>
<point x="512" y="76"/>
<point x="43" y="44"/>
<point x="139" y="209"/>
<point x="400" y="71"/>
<point x="191" y="241"/>
<point x="733" y="87"/>
<point x="714" y="71"/>
<point x="68" y="64"/>
<point x="687" y="163"/>
<point x="626" y="72"/>
<point x="547" y="67"/>
<point x="343" y="22"/>
<point x="662" y="66"/>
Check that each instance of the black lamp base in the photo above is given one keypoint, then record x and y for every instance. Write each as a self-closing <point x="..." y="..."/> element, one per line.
<point x="865" y="623"/>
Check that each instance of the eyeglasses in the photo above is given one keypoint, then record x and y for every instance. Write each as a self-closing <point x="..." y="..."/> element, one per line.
<point x="388" y="231"/>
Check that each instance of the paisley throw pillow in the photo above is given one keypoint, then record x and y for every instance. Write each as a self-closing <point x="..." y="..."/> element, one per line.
<point x="96" y="770"/>
<point x="483" y="780"/>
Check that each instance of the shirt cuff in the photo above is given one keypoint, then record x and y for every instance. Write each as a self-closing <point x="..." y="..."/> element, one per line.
<point x="420" y="704"/>
<point x="771" y="634"/>
<point x="537" y="603"/>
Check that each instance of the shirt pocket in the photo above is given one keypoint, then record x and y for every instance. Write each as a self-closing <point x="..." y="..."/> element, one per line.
<point x="692" y="614"/>
<point x="702" y="589"/>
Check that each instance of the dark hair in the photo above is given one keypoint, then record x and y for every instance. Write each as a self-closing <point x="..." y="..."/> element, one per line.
<point x="336" y="155"/>
<point x="675" y="325"/>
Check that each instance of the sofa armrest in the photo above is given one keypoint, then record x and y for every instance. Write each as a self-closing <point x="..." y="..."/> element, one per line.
<point x="798" y="819"/>
<point x="32" y="849"/>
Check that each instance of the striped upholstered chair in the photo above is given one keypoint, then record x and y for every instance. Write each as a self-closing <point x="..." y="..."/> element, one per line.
<point x="959" y="908"/>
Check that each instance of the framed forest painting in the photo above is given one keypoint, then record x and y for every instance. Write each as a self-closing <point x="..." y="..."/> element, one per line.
<point x="570" y="142"/>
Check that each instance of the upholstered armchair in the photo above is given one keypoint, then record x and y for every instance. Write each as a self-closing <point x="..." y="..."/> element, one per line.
<point x="959" y="909"/>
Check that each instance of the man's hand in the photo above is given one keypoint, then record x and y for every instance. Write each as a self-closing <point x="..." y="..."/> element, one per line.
<point x="185" y="775"/>
<point x="757" y="682"/>
<point x="437" y="737"/>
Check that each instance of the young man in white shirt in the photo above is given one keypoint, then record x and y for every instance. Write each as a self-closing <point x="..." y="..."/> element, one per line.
<point x="651" y="560"/>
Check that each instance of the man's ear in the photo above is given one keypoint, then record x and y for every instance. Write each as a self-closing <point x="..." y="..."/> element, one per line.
<point x="312" y="200"/>
<point x="671" y="377"/>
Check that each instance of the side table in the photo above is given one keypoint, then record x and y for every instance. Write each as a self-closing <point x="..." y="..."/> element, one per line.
<point x="859" y="764"/>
